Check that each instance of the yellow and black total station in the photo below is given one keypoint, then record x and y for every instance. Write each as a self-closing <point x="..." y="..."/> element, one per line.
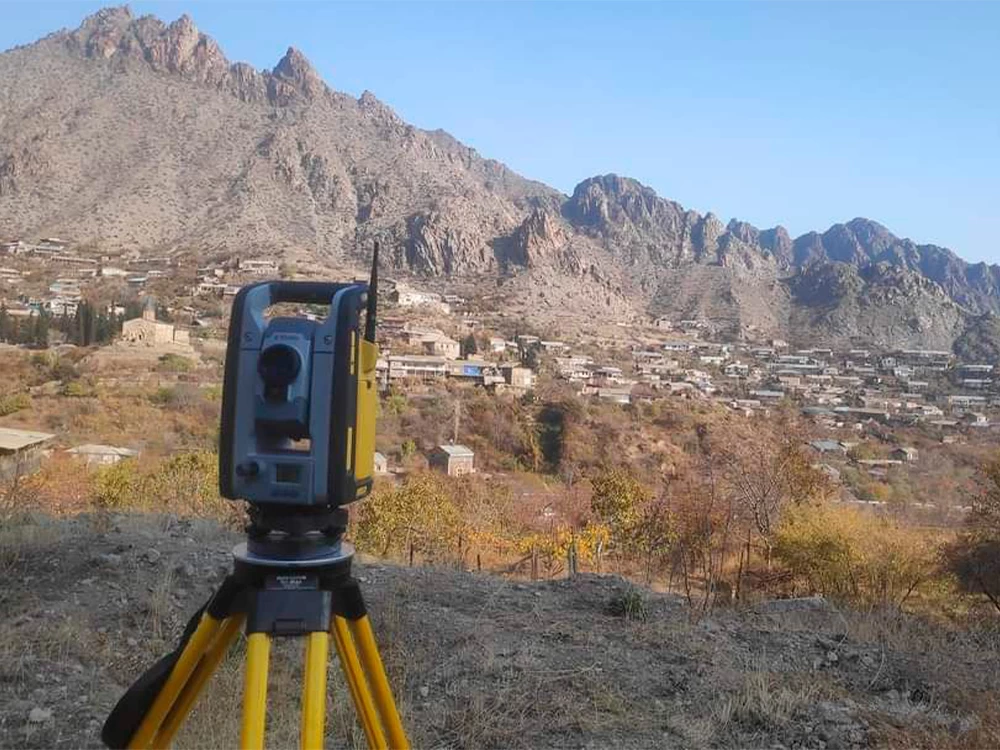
<point x="297" y="442"/>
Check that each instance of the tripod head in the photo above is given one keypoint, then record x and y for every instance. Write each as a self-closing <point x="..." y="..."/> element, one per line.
<point x="281" y="535"/>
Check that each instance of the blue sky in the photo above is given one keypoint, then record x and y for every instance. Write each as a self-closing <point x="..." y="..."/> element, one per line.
<point x="799" y="113"/>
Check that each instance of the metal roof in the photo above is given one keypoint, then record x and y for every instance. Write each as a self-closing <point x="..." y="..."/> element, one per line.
<point x="15" y="440"/>
<point x="456" y="450"/>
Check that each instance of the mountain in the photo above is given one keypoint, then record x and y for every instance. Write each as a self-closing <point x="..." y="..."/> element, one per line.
<point x="131" y="133"/>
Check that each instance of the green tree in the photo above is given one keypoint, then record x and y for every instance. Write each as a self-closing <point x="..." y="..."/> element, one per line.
<point x="469" y="346"/>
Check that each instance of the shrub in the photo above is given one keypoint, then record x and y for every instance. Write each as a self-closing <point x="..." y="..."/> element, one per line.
<point x="181" y="397"/>
<point x="407" y="449"/>
<point x="420" y="515"/>
<point x="186" y="482"/>
<point x="78" y="389"/>
<point x="174" y="363"/>
<point x="118" y="486"/>
<point x="630" y="604"/>
<point x="14" y="402"/>
<point x="853" y="556"/>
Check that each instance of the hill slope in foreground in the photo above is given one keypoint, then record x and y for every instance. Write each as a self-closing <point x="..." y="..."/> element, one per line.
<point x="480" y="661"/>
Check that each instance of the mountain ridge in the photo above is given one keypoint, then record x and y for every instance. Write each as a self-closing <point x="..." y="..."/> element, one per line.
<point x="215" y="156"/>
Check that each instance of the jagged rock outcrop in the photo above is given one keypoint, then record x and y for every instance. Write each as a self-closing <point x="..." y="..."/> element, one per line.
<point x="540" y="237"/>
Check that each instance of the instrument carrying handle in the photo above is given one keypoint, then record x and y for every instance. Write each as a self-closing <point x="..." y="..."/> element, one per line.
<point x="304" y="292"/>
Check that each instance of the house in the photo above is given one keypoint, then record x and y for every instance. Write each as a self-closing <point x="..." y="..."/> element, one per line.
<point x="905" y="454"/>
<point x="148" y="331"/>
<point x="678" y="346"/>
<point x="381" y="463"/>
<point x="17" y="247"/>
<point x="974" y="419"/>
<point x="441" y="346"/>
<point x="553" y="346"/>
<point x="101" y="455"/>
<point x="258" y="267"/>
<point x="409" y="366"/>
<point x="828" y="446"/>
<point x="737" y="370"/>
<point x="518" y="378"/>
<point x="21" y="452"/>
<point x="453" y="460"/>
<point x="411" y="298"/>
<point x="615" y="395"/>
<point x="476" y="371"/>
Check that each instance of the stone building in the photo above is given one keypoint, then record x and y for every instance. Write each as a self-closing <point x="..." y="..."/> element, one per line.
<point x="453" y="460"/>
<point x="148" y="331"/>
<point x="21" y="452"/>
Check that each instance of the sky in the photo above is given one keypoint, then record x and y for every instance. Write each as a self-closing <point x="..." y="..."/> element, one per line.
<point x="795" y="113"/>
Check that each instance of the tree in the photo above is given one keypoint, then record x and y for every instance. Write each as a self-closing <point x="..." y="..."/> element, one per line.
<point x="469" y="346"/>
<point x="767" y="473"/>
<point x="617" y="502"/>
<point x="974" y="558"/>
<point x="417" y="516"/>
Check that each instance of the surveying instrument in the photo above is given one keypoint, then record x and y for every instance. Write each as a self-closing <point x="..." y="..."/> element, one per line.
<point x="297" y="441"/>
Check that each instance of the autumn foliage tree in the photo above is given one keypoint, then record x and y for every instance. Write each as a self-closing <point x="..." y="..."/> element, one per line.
<point x="974" y="558"/>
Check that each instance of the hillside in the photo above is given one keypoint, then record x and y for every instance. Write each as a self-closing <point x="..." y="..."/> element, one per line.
<point x="479" y="661"/>
<point x="212" y="158"/>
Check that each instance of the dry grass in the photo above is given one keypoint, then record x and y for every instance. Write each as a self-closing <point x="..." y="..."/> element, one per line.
<point x="23" y="536"/>
<point x="215" y="721"/>
<point x="765" y="702"/>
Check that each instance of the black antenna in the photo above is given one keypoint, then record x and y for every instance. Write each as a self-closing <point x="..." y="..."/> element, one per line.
<point x="372" y="298"/>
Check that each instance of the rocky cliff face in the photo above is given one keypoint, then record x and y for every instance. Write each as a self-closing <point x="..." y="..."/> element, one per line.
<point x="129" y="132"/>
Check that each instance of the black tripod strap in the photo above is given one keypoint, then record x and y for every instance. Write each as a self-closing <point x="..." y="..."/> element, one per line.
<point x="128" y="713"/>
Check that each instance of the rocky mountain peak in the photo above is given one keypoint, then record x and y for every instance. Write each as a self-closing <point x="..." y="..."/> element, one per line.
<point x="610" y="203"/>
<point x="294" y="78"/>
<point x="178" y="48"/>
<point x="743" y="231"/>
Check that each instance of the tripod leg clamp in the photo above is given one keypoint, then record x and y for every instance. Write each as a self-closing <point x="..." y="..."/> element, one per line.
<point x="348" y="602"/>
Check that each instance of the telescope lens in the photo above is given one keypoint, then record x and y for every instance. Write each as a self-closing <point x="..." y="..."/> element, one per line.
<point x="279" y="365"/>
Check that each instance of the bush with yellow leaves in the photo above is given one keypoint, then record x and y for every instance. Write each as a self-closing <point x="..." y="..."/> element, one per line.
<point x="853" y="556"/>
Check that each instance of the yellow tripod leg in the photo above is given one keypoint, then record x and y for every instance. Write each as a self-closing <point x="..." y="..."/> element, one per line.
<point x="175" y="683"/>
<point x="314" y="691"/>
<point x="255" y="692"/>
<point x="216" y="652"/>
<point x="364" y="637"/>
<point x="355" y="677"/>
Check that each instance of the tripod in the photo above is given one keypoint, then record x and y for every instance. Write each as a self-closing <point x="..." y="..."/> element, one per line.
<point x="288" y="579"/>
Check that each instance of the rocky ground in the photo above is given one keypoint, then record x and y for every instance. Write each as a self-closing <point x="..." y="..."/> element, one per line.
<point x="479" y="661"/>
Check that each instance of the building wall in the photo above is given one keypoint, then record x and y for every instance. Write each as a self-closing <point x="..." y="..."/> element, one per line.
<point x="153" y="333"/>
<point x="453" y="466"/>
<point x="20" y="463"/>
<point x="459" y="465"/>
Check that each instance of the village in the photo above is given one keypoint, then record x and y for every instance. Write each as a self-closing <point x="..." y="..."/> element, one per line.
<point x="868" y="410"/>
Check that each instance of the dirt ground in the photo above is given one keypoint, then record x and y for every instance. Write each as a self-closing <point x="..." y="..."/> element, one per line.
<point x="87" y="603"/>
